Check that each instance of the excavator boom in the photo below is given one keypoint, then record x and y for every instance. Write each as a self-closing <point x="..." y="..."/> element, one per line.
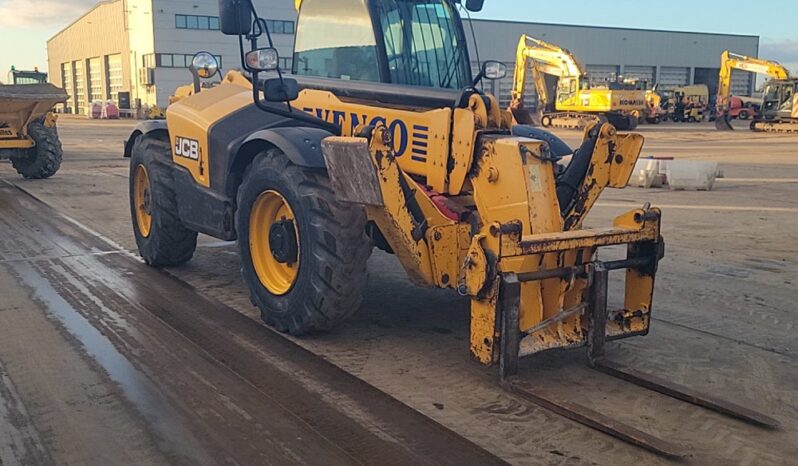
<point x="576" y="105"/>
<point x="731" y="61"/>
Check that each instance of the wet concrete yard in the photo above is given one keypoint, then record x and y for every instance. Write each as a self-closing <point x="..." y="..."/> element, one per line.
<point x="106" y="361"/>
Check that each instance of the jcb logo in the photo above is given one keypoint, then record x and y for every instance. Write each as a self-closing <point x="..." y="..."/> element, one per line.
<point x="187" y="148"/>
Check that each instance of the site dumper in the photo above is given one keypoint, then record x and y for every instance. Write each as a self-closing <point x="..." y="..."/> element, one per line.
<point x="28" y="134"/>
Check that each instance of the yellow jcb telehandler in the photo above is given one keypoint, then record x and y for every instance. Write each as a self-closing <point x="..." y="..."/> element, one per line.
<point x="382" y="137"/>
<point x="28" y="134"/>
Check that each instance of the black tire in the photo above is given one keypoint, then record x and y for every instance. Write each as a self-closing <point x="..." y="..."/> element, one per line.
<point x="546" y="121"/>
<point x="44" y="160"/>
<point x="332" y="245"/>
<point x="743" y="115"/>
<point x="169" y="242"/>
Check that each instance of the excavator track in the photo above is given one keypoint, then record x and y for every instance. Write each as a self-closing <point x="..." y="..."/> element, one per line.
<point x="596" y="338"/>
<point x="784" y="127"/>
<point x="568" y="120"/>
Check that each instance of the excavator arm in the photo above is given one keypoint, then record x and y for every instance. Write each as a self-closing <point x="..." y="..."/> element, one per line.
<point x="541" y="58"/>
<point x="731" y="61"/>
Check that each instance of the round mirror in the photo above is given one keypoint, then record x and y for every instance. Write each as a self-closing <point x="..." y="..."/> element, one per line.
<point x="205" y="65"/>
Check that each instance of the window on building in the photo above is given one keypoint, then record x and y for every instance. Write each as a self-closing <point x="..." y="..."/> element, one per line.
<point x="173" y="60"/>
<point x="351" y="54"/>
<point x="113" y="76"/>
<point x="280" y="27"/>
<point x="67" y="80"/>
<point x="148" y="61"/>
<point x="80" y="87"/>
<point x="96" y="86"/>
<point x="203" y="23"/>
<point x="285" y="63"/>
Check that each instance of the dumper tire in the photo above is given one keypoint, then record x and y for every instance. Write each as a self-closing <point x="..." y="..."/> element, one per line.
<point x="323" y="282"/>
<point x="43" y="160"/>
<point x="168" y="242"/>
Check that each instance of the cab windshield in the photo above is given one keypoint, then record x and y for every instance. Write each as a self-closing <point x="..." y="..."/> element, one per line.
<point x="423" y="43"/>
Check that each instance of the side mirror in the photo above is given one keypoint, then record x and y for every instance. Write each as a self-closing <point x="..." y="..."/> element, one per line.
<point x="266" y="59"/>
<point x="475" y="5"/>
<point x="204" y="65"/>
<point x="280" y="90"/>
<point x="494" y="70"/>
<point x="235" y="17"/>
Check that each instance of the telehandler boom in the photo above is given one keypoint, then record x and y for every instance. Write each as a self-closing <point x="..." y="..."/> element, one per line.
<point x="381" y="137"/>
<point x="575" y="104"/>
<point x="781" y="115"/>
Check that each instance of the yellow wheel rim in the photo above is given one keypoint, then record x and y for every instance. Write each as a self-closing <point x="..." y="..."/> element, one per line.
<point x="276" y="273"/>
<point x="141" y="198"/>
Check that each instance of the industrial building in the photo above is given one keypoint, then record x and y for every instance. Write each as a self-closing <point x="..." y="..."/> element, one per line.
<point x="137" y="51"/>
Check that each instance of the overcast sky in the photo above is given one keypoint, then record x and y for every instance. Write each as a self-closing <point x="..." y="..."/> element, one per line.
<point x="25" y="25"/>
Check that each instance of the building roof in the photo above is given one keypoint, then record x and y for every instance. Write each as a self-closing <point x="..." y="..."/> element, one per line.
<point x="617" y="28"/>
<point x="95" y="7"/>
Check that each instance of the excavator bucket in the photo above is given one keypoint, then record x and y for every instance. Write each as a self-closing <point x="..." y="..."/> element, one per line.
<point x="722" y="123"/>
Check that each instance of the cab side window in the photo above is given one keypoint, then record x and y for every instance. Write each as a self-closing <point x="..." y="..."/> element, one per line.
<point x="336" y="40"/>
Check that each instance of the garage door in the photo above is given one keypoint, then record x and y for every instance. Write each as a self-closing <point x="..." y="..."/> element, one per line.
<point x="673" y="76"/>
<point x="741" y="82"/>
<point x="641" y="73"/>
<point x="601" y="74"/>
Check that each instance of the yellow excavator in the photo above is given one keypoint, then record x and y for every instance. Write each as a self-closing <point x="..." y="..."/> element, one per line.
<point x="576" y="103"/>
<point x="381" y="137"/>
<point x="779" y="109"/>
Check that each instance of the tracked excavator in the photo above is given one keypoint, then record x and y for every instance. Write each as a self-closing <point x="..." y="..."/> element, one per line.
<point x="779" y="111"/>
<point x="576" y="103"/>
<point x="381" y="137"/>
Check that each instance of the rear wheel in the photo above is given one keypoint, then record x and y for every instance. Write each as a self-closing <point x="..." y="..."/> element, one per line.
<point x="161" y="237"/>
<point x="743" y="115"/>
<point x="43" y="160"/>
<point x="304" y="253"/>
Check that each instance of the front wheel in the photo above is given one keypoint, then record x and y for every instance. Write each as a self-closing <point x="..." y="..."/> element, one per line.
<point x="161" y="237"/>
<point x="43" y="160"/>
<point x="304" y="253"/>
<point x="743" y="115"/>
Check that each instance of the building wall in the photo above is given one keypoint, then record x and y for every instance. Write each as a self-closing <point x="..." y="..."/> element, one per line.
<point x="671" y="57"/>
<point x="155" y="47"/>
<point x="186" y="42"/>
<point x="99" y="33"/>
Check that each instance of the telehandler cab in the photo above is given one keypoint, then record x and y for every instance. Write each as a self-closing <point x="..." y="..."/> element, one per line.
<point x="382" y="137"/>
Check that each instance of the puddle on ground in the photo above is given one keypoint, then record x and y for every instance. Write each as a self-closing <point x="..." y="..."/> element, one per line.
<point x="137" y="388"/>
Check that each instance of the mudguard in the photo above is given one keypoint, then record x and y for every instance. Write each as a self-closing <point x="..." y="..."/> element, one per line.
<point x="145" y="127"/>
<point x="302" y="145"/>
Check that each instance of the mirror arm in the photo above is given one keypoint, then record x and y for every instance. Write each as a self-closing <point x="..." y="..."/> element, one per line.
<point x="195" y="75"/>
<point x="301" y="116"/>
